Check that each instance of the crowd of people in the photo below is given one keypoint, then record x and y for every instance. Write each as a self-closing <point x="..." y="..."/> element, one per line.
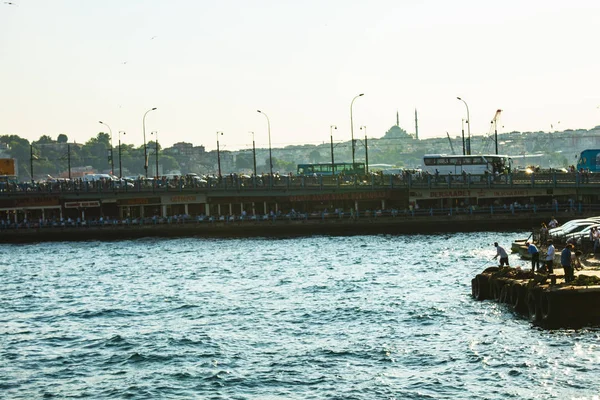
<point x="240" y="180"/>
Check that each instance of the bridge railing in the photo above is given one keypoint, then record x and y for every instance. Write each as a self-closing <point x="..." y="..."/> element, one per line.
<point x="289" y="182"/>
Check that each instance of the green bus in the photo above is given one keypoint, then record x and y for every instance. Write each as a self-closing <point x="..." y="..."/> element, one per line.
<point x="330" y="169"/>
<point x="6" y="181"/>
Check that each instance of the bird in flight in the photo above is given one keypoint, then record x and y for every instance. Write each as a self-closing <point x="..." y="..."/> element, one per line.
<point x="10" y="3"/>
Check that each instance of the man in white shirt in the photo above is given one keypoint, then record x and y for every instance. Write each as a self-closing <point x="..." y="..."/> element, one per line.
<point x="502" y="253"/>
<point x="550" y="257"/>
<point x="553" y="223"/>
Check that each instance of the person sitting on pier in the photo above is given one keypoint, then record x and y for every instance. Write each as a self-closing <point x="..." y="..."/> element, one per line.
<point x="535" y="256"/>
<point x="502" y="253"/>
<point x="553" y="223"/>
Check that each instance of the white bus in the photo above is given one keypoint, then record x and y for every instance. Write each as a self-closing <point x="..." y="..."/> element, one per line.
<point x="444" y="164"/>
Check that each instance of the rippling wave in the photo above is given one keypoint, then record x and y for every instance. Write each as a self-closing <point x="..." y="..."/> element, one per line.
<point x="361" y="317"/>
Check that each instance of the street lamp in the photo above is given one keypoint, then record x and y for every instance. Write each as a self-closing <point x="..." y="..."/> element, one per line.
<point x="352" y="128"/>
<point x="270" y="154"/>
<point x="31" y="158"/>
<point x="146" y="150"/>
<point x="112" y="163"/>
<point x="253" y="153"/>
<point x="366" y="150"/>
<point x="331" y="128"/>
<point x="463" y="135"/>
<point x="218" y="153"/>
<point x="155" y="133"/>
<point x="120" y="165"/>
<point x="69" y="159"/>
<point x="468" y="127"/>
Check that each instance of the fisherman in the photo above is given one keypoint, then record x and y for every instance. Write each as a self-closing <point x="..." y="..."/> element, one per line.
<point x="535" y="256"/>
<point x="502" y="253"/>
<point x="565" y="261"/>
<point x="550" y="257"/>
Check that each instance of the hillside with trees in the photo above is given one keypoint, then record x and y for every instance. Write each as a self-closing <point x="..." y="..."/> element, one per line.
<point x="53" y="157"/>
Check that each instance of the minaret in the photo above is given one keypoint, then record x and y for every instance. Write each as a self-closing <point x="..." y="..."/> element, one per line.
<point x="416" y="125"/>
<point x="397" y="119"/>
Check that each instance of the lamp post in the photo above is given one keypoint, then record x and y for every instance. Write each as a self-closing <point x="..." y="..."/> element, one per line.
<point x="253" y="153"/>
<point x="155" y="133"/>
<point x="31" y="161"/>
<point x="270" y="154"/>
<point x="366" y="150"/>
<point x="331" y="128"/>
<point x="218" y="153"/>
<point x="495" y="122"/>
<point x="463" y="135"/>
<point x="120" y="166"/>
<point x="112" y="163"/>
<point x="352" y="128"/>
<point x="145" y="149"/>
<point x="468" y="127"/>
<point x="69" y="159"/>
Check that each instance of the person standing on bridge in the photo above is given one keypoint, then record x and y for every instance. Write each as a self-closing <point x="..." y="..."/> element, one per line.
<point x="502" y="253"/>
<point x="535" y="256"/>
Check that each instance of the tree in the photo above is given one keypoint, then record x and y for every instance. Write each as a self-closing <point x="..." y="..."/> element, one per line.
<point x="314" y="156"/>
<point x="151" y="147"/>
<point x="45" y="139"/>
<point x="244" y="161"/>
<point x="96" y="151"/>
<point x="62" y="138"/>
<point x="18" y="148"/>
<point x="168" y="163"/>
<point x="282" y="166"/>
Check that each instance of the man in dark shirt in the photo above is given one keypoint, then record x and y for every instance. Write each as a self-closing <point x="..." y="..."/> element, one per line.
<point x="535" y="256"/>
<point x="565" y="261"/>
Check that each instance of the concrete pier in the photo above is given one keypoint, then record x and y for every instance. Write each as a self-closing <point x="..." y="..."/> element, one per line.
<point x="546" y="300"/>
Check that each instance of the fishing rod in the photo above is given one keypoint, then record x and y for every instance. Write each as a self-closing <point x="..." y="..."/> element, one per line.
<point x="482" y="265"/>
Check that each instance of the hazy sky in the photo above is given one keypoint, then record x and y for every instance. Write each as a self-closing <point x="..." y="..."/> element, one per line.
<point x="209" y="65"/>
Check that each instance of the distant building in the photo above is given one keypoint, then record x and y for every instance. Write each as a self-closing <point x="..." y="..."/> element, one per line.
<point x="395" y="132"/>
<point x="188" y="149"/>
<point x="77" y="172"/>
<point x="4" y="150"/>
<point x="198" y="150"/>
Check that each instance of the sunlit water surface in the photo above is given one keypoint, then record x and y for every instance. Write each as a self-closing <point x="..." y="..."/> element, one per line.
<point x="362" y="317"/>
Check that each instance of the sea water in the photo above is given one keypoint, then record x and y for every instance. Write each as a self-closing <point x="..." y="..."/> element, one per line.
<point x="324" y="317"/>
